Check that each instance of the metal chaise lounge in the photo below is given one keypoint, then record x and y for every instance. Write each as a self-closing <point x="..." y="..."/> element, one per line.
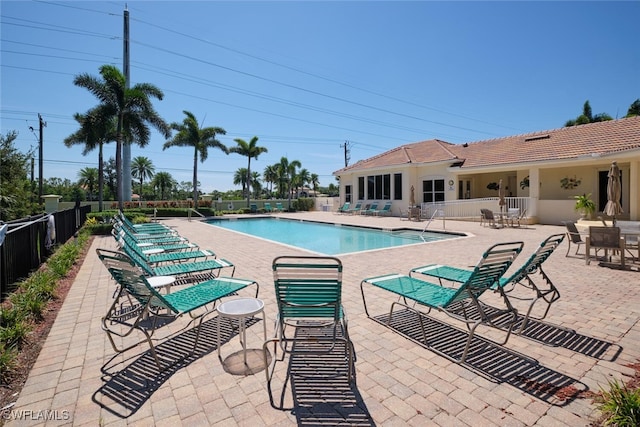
<point x="308" y="293"/>
<point x="355" y="209"/>
<point x="144" y="227"/>
<point x="386" y="210"/>
<point x="140" y="307"/>
<point x="158" y="255"/>
<point x="184" y="271"/>
<point x="453" y="301"/>
<point x="344" y="208"/>
<point x="146" y="237"/>
<point x="371" y="209"/>
<point x="169" y="246"/>
<point x="545" y="291"/>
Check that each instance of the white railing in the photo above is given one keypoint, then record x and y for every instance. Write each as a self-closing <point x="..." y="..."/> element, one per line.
<point x="470" y="208"/>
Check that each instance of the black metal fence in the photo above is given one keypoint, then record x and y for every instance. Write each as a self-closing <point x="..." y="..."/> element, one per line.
<point x="28" y="243"/>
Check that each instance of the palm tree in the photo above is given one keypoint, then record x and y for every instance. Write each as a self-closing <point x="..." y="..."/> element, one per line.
<point x="96" y="129"/>
<point x="286" y="174"/>
<point x="302" y="178"/>
<point x="163" y="181"/>
<point x="240" y="178"/>
<point x="270" y="175"/>
<point x="131" y="106"/>
<point x="314" y="180"/>
<point x="88" y="178"/>
<point x="251" y="150"/>
<point x="588" y="117"/>
<point x="256" y="184"/>
<point x="190" y="134"/>
<point x="634" y="109"/>
<point x="141" y="168"/>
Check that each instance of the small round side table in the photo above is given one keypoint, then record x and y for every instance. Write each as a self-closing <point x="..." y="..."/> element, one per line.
<point x="241" y="309"/>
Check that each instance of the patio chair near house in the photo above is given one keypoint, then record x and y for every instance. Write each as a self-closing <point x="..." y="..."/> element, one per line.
<point x="607" y="238"/>
<point x="455" y="301"/>
<point x="543" y="290"/>
<point x="516" y="216"/>
<point x="139" y="307"/>
<point x="373" y="207"/>
<point x="487" y="218"/>
<point x="573" y="236"/>
<point x="344" y="208"/>
<point x="631" y="232"/>
<point x="355" y="209"/>
<point x="386" y="210"/>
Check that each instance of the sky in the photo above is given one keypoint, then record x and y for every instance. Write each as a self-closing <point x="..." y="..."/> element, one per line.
<point x="309" y="78"/>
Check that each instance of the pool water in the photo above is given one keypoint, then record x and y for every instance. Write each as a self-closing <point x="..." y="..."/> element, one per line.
<point x="327" y="239"/>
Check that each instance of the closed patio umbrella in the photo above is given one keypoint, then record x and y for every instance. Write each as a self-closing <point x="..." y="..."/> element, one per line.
<point x="412" y="197"/>
<point x="614" y="192"/>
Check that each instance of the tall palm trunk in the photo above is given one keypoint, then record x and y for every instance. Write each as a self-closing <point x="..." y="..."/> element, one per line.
<point x="195" y="180"/>
<point x="119" y="182"/>
<point x="100" y="177"/>
<point x="249" y="182"/>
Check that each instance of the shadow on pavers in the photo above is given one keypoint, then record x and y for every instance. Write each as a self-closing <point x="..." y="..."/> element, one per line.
<point x="317" y="371"/>
<point x="494" y="362"/>
<point x="125" y="391"/>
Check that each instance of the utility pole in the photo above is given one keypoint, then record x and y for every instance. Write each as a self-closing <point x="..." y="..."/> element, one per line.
<point x="347" y="152"/>
<point x="42" y="124"/>
<point x="126" y="148"/>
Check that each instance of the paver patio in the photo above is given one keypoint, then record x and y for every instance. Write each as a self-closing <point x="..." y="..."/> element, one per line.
<point x="398" y="381"/>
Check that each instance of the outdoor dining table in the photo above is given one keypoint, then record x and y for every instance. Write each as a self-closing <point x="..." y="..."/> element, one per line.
<point x="632" y="235"/>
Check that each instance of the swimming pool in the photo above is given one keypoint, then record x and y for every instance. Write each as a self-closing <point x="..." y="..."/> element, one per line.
<point x="327" y="239"/>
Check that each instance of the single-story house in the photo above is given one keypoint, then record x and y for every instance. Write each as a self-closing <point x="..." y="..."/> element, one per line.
<point x="540" y="172"/>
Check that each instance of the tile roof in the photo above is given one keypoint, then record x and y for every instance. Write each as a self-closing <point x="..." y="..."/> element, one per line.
<point x="564" y="143"/>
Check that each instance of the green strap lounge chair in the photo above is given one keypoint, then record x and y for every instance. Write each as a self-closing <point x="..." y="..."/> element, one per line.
<point x="308" y="292"/>
<point x="122" y="237"/>
<point x="371" y="209"/>
<point x="267" y="207"/>
<point x="149" y="310"/>
<point x="344" y="208"/>
<point x="158" y="255"/>
<point x="182" y="270"/>
<point x="523" y="276"/>
<point x="145" y="237"/>
<point x="279" y="207"/>
<point x="145" y="227"/>
<point x="386" y="210"/>
<point x="456" y="302"/>
<point x="355" y="209"/>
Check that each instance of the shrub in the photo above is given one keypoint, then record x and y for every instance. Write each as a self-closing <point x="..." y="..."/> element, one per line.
<point x="8" y="362"/>
<point x="30" y="304"/>
<point x="303" y="204"/>
<point x="12" y="336"/>
<point x="42" y="284"/>
<point x="9" y="317"/>
<point x="620" y="405"/>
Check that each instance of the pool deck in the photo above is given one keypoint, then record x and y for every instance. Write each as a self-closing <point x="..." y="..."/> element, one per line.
<point x="398" y="381"/>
